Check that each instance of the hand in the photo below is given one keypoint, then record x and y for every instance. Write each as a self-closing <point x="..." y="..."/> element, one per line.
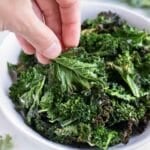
<point x="43" y="27"/>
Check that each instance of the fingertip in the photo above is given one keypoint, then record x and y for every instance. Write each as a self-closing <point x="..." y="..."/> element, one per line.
<point x="41" y="59"/>
<point x="53" y="51"/>
<point x="71" y="35"/>
<point x="29" y="51"/>
<point x="71" y="22"/>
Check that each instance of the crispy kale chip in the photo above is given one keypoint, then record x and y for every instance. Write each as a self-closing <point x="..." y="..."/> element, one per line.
<point x="97" y="94"/>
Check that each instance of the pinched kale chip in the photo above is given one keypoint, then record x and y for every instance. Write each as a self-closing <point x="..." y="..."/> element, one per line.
<point x="97" y="94"/>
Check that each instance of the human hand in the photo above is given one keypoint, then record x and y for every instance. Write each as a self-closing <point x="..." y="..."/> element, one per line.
<point x="43" y="27"/>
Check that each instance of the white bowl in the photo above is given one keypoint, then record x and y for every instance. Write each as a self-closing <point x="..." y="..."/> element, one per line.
<point x="9" y="51"/>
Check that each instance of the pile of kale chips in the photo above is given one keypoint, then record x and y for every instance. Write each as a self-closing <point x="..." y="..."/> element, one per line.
<point x="97" y="94"/>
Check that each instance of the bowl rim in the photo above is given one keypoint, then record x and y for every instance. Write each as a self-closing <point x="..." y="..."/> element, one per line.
<point x="54" y="145"/>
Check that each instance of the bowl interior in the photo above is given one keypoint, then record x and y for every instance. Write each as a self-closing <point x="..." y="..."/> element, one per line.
<point x="9" y="52"/>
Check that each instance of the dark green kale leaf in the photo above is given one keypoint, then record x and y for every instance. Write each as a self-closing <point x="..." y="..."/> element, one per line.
<point x="70" y="71"/>
<point x="105" y="22"/>
<point x="124" y="66"/>
<point x="103" y="137"/>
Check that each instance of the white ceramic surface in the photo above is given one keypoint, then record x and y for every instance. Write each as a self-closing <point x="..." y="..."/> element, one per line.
<point x="9" y="52"/>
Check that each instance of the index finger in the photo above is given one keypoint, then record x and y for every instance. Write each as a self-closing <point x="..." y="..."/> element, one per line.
<point x="71" y="24"/>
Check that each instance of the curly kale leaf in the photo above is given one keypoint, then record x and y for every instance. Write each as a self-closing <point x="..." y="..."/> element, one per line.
<point x="31" y="83"/>
<point x="124" y="111"/>
<point x="70" y="70"/>
<point x="105" y="22"/>
<point x="125" y="67"/>
<point x="119" y="92"/>
<point x="103" y="137"/>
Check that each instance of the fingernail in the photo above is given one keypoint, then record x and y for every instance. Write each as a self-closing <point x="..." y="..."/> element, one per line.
<point x="53" y="51"/>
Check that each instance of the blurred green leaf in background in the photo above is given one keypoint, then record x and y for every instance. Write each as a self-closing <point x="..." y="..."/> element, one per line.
<point x="139" y="3"/>
<point x="6" y="143"/>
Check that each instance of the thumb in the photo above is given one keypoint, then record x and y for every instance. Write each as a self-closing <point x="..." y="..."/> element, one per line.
<point x="40" y="37"/>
